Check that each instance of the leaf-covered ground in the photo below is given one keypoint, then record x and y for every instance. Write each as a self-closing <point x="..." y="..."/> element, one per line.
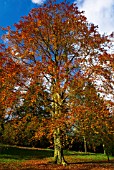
<point x="43" y="164"/>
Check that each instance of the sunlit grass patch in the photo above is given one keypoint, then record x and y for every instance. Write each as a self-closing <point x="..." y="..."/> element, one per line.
<point x="85" y="157"/>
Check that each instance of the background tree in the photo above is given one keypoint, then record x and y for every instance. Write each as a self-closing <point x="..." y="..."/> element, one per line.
<point x="94" y="121"/>
<point x="8" y="69"/>
<point x="61" y="51"/>
<point x="25" y="121"/>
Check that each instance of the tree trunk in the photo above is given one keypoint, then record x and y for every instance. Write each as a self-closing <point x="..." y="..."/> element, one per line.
<point x="107" y="150"/>
<point x="58" y="150"/>
<point x="104" y="149"/>
<point x="85" y="145"/>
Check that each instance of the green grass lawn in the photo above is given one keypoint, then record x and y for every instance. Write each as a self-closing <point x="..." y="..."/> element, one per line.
<point x="19" y="154"/>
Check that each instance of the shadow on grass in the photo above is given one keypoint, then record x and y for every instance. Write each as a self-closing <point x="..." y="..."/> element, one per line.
<point x="18" y="153"/>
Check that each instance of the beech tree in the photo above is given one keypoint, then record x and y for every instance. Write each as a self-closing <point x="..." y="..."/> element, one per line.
<point x="59" y="52"/>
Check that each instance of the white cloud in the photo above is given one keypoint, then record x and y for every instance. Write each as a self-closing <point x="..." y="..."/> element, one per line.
<point x="38" y="1"/>
<point x="99" y="12"/>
